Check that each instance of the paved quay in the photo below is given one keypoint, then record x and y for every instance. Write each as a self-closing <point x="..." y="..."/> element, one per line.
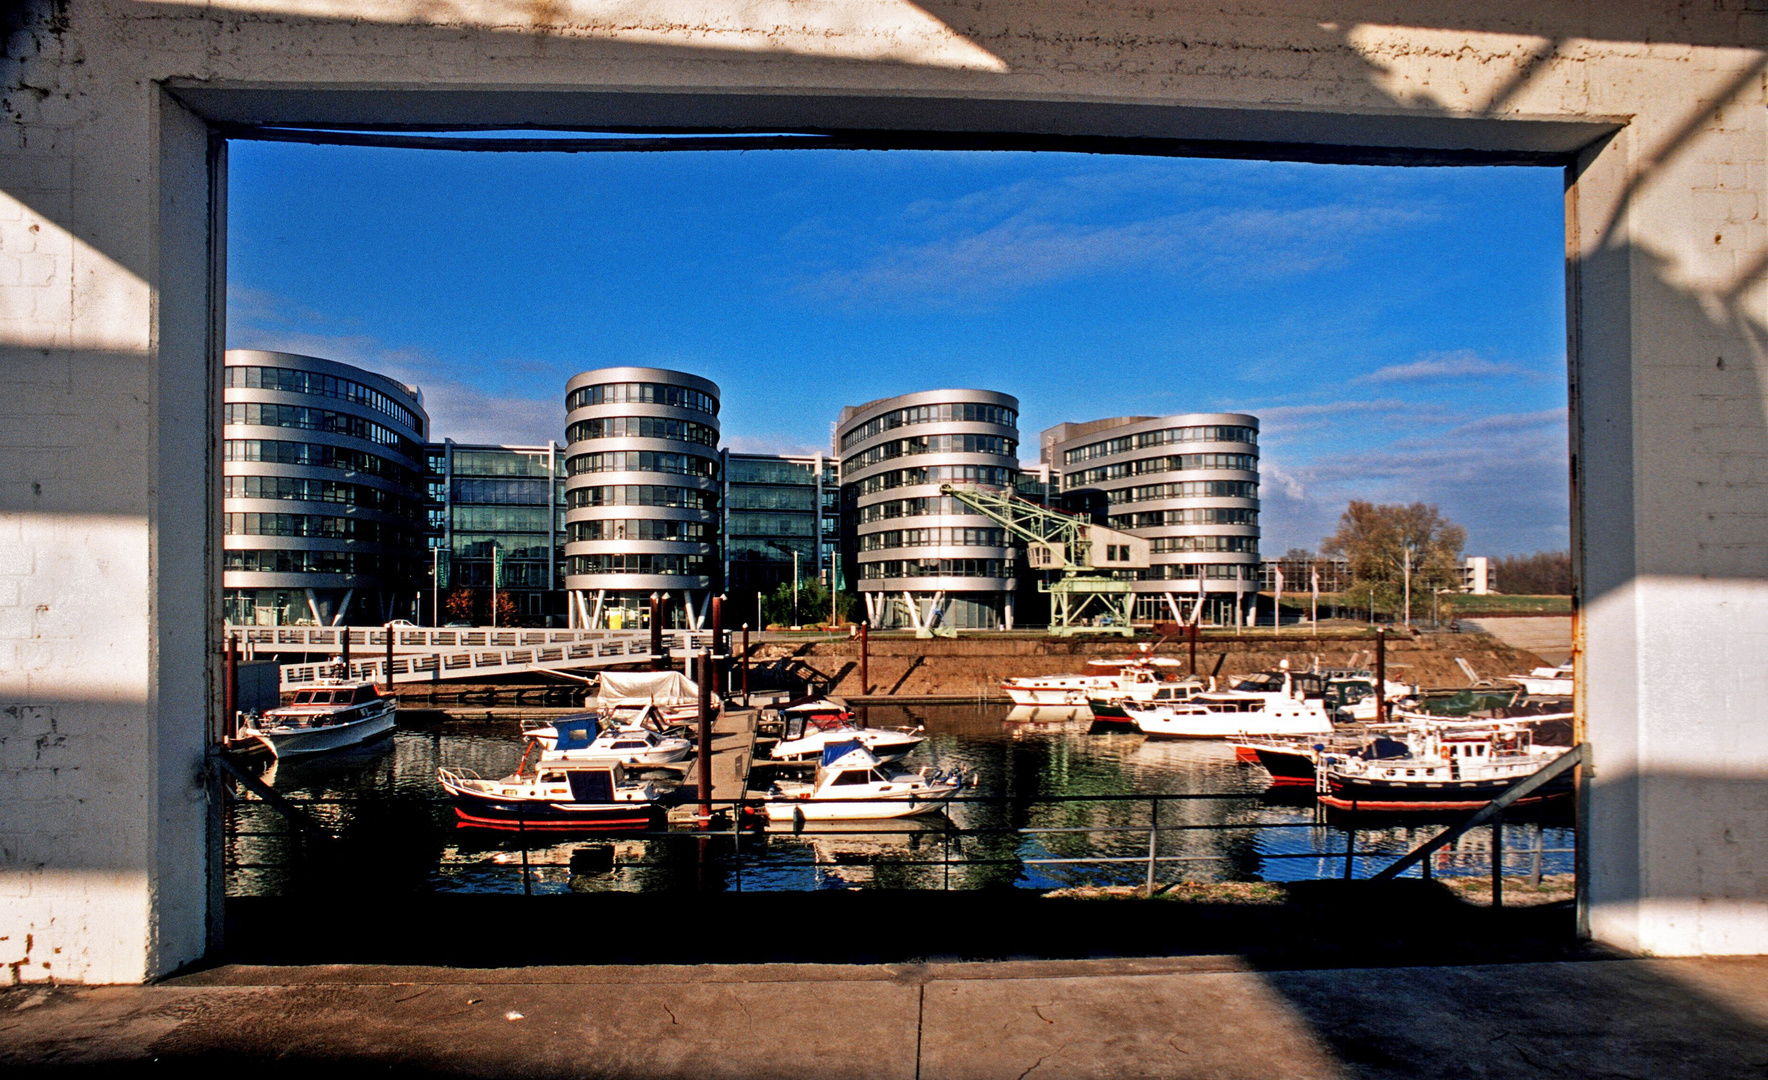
<point x="1200" y="1016"/>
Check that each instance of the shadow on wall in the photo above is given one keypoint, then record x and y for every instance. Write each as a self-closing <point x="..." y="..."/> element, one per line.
<point x="1718" y="375"/>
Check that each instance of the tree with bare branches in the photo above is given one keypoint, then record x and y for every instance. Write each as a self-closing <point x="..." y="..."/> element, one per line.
<point x="1386" y="544"/>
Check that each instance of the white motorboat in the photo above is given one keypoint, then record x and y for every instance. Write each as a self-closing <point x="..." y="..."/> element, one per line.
<point x="1109" y="704"/>
<point x="328" y="717"/>
<point x="1102" y="679"/>
<point x="1442" y="766"/>
<point x="588" y="738"/>
<point x="1252" y="708"/>
<point x="674" y="697"/>
<point x="1350" y="695"/>
<point x="810" y="725"/>
<point x="644" y="718"/>
<point x="852" y="784"/>
<point x="1546" y="681"/>
<point x="557" y="795"/>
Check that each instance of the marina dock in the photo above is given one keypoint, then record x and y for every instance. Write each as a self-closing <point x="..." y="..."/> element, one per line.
<point x="733" y="755"/>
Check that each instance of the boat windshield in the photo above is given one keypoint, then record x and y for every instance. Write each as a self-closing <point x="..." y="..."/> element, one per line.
<point x="1257" y="684"/>
<point x="322" y="697"/>
<point x="303" y="697"/>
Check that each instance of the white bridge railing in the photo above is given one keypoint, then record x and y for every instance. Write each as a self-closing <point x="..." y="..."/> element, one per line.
<point x="330" y="639"/>
<point x="431" y="655"/>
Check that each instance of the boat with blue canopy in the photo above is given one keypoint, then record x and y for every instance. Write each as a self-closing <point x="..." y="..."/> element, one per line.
<point x="852" y="783"/>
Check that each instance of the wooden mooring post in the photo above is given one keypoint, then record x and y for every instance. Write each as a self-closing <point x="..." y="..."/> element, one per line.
<point x="705" y="747"/>
<point x="721" y="655"/>
<point x="1381" y="675"/>
<point x="230" y="715"/>
<point x="1498" y="860"/>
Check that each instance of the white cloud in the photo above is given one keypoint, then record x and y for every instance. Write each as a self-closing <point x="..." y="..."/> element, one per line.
<point x="1024" y="235"/>
<point x="1504" y="477"/>
<point x="1461" y="364"/>
<point x="460" y="409"/>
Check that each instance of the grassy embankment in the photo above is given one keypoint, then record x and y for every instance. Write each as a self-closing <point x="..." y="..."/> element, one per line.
<point x="1452" y="607"/>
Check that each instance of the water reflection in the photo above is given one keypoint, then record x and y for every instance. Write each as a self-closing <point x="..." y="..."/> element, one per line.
<point x="1220" y="822"/>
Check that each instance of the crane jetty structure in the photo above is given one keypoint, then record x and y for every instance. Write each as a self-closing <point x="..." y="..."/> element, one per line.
<point x="1094" y="592"/>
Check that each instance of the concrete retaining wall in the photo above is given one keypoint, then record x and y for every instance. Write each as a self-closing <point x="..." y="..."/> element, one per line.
<point x="976" y="667"/>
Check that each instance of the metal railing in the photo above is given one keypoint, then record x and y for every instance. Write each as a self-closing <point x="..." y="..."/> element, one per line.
<point x="330" y="639"/>
<point x="743" y="843"/>
<point x="426" y="655"/>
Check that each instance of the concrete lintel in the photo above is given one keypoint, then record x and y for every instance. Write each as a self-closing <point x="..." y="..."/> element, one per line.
<point x="926" y="122"/>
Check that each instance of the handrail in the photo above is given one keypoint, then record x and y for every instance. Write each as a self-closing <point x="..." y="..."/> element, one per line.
<point x="1545" y="775"/>
<point x="281" y="805"/>
<point x="740" y="830"/>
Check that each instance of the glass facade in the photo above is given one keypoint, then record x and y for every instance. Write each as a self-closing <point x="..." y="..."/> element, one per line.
<point x="919" y="556"/>
<point x="498" y="503"/>
<point x="777" y="507"/>
<point x="324" y="527"/>
<point x="656" y="529"/>
<point x="1203" y="533"/>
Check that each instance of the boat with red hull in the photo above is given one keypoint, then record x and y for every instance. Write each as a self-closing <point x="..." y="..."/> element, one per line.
<point x="1446" y="767"/>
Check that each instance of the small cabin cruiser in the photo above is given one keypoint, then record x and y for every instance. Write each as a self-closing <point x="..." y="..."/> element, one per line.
<point x="1350" y="696"/>
<point x="1102" y="679"/>
<point x="588" y="738"/>
<point x="557" y="795"/>
<point x="1267" y="705"/>
<point x="1546" y="681"/>
<point x="1445" y="767"/>
<point x="811" y="724"/>
<point x="1292" y="762"/>
<point x="625" y="695"/>
<point x="546" y="732"/>
<point x="1109" y="705"/>
<point x="852" y="783"/>
<point x="328" y="717"/>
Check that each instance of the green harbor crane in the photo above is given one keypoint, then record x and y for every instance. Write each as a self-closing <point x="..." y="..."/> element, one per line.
<point x="1096" y="564"/>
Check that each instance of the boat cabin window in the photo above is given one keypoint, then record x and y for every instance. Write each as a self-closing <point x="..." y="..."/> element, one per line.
<point x="1256" y="684"/>
<point x="322" y="697"/>
<point x="552" y="778"/>
<point x="630" y="744"/>
<point x="364" y="693"/>
<point x="853" y="776"/>
<point x="304" y="697"/>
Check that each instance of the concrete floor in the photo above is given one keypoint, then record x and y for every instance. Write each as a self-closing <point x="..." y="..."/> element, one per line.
<point x="1206" y="1016"/>
<point x="1547" y="636"/>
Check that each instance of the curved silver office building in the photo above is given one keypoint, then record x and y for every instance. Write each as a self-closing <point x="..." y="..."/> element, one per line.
<point x="1189" y="483"/>
<point x="641" y="495"/>
<point x="925" y="560"/>
<point x="323" y="503"/>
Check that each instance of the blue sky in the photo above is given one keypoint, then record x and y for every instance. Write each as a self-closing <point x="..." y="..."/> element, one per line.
<point x="1401" y="332"/>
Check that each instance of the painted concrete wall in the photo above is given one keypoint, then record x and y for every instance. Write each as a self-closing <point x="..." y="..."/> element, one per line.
<point x="107" y="350"/>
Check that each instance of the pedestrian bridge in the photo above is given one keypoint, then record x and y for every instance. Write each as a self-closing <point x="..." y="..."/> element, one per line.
<point x="426" y="654"/>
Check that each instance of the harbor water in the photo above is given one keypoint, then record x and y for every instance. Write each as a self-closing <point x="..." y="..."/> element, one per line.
<point x="398" y="832"/>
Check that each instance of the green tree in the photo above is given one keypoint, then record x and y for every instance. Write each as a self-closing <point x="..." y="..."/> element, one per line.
<point x="1380" y="542"/>
<point x="1545" y="573"/>
<point x="813" y="605"/>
